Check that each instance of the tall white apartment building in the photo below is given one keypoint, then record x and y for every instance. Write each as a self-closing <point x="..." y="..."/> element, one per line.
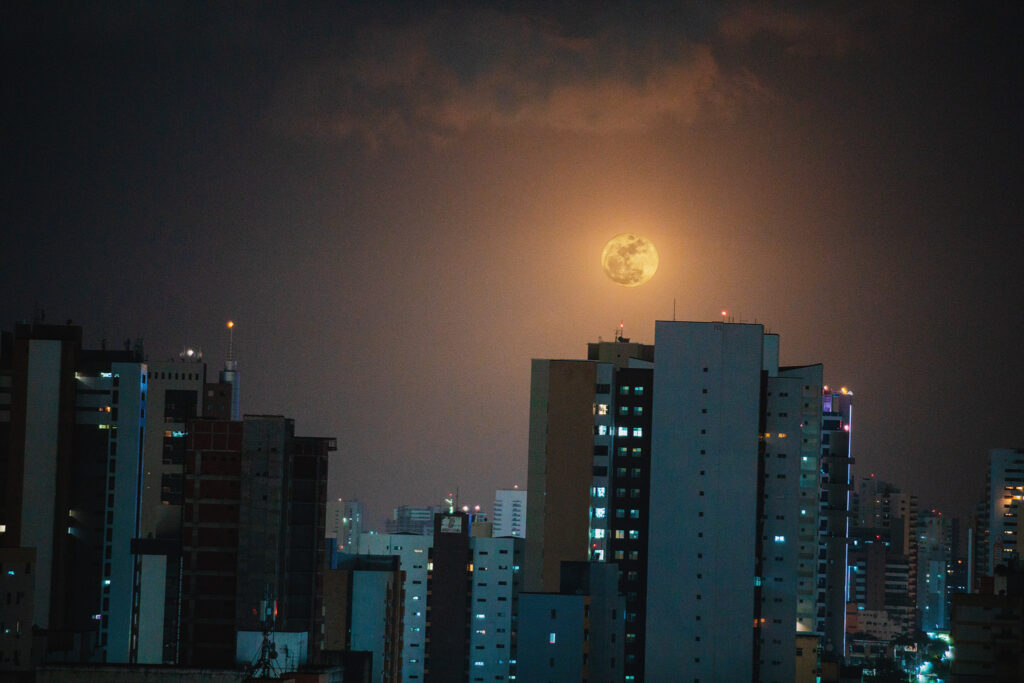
<point x="733" y="548"/>
<point x="509" y="513"/>
<point x="496" y="583"/>
<point x="413" y="552"/>
<point x="1005" y="503"/>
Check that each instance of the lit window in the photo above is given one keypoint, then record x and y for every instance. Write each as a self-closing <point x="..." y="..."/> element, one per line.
<point x="600" y="512"/>
<point x="780" y="539"/>
<point x="551" y="638"/>
<point x="620" y="534"/>
<point x="623" y="410"/>
<point x="638" y="410"/>
<point x="597" y="491"/>
<point x="598" y="533"/>
<point x="634" y="534"/>
<point x="637" y="452"/>
<point x="623" y="431"/>
<point x="637" y="431"/>
<point x="602" y="408"/>
<point x="639" y="391"/>
<point x="602" y="430"/>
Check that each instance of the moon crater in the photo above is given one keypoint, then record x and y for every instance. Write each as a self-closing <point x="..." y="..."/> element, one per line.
<point x="629" y="259"/>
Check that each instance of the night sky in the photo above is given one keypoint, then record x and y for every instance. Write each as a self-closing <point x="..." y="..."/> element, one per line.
<point x="401" y="206"/>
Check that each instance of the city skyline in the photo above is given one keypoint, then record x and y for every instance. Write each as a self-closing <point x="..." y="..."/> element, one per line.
<point x="402" y="207"/>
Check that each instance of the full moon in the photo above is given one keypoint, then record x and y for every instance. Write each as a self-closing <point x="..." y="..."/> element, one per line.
<point x="629" y="259"/>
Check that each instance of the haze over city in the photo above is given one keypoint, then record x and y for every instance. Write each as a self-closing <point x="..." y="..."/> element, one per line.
<point x="401" y="206"/>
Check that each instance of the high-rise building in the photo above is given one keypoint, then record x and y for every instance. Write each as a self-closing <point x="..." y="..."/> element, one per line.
<point x="497" y="580"/>
<point x="663" y="435"/>
<point x="71" y="437"/>
<point x="351" y="526"/>
<point x="473" y="587"/>
<point x="344" y="524"/>
<point x="461" y="595"/>
<point x="729" y="425"/>
<point x="883" y="558"/>
<point x="933" y="563"/>
<point x="987" y="628"/>
<point x="449" y="589"/>
<point x="834" y="519"/>
<point x="510" y="513"/>
<point x="577" y="633"/>
<point x="363" y="605"/>
<point x="413" y="552"/>
<point x="411" y="519"/>
<point x="957" y="580"/>
<point x="253" y="525"/>
<point x="588" y="478"/>
<point x="17" y="613"/>
<point x="176" y="393"/>
<point x="1003" y="503"/>
<point x="561" y="468"/>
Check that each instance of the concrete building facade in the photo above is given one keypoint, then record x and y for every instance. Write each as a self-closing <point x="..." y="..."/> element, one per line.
<point x="509" y="517"/>
<point x="413" y="552"/>
<point x="706" y="449"/>
<point x="72" y="424"/>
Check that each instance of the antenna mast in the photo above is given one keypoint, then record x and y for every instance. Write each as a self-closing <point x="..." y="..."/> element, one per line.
<point x="231" y="340"/>
<point x="266" y="665"/>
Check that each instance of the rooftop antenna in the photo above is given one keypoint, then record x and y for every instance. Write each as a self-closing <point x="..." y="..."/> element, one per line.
<point x="229" y="375"/>
<point x="266" y="665"/>
<point x="620" y="332"/>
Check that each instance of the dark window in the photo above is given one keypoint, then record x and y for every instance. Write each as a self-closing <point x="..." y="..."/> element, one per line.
<point x="170" y="489"/>
<point x="174" y="450"/>
<point x="180" y="404"/>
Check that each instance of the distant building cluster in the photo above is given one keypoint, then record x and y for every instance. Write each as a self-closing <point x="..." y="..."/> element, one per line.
<point x="144" y="521"/>
<point x="691" y="514"/>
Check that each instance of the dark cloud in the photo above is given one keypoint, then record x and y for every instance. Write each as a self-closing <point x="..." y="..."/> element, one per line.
<point x="494" y="71"/>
